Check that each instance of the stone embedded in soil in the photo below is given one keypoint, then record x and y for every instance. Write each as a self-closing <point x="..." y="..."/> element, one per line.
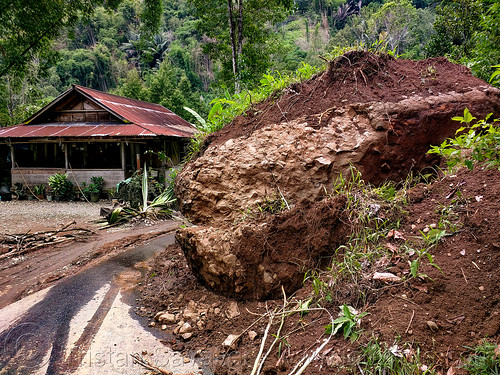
<point x="166" y="318"/>
<point x="432" y="326"/>
<point x="231" y="341"/>
<point x="233" y="259"/>
<point x="252" y="335"/>
<point x="298" y="157"/>
<point x="386" y="277"/>
<point x="232" y="310"/>
<point x="185" y="328"/>
<point x="333" y="360"/>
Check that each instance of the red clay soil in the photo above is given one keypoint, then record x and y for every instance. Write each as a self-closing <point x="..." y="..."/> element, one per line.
<point x="355" y="77"/>
<point x="454" y="307"/>
<point x="311" y="229"/>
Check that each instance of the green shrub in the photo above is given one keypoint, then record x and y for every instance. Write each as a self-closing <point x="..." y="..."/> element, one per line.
<point x="477" y="142"/>
<point x="61" y="186"/>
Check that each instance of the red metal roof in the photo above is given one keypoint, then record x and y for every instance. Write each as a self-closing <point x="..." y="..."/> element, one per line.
<point x="141" y="119"/>
<point x="74" y="130"/>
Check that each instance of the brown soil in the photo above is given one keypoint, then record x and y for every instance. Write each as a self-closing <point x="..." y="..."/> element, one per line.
<point x="462" y="299"/>
<point x="311" y="229"/>
<point x="355" y="77"/>
<point x="37" y="269"/>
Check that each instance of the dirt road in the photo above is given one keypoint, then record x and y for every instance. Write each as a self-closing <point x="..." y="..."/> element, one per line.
<point x="83" y="323"/>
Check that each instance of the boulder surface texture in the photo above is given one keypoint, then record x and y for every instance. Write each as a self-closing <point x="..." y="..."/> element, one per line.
<point x="372" y="112"/>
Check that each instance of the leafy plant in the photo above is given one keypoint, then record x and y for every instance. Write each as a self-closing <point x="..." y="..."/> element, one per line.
<point x="495" y="76"/>
<point x="422" y="247"/>
<point x="349" y="322"/>
<point x="160" y="206"/>
<point x="98" y="182"/>
<point x="39" y="189"/>
<point x="61" y="186"/>
<point x="131" y="192"/>
<point x="475" y="142"/>
<point x="485" y="359"/>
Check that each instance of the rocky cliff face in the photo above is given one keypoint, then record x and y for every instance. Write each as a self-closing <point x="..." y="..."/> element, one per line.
<point x="298" y="157"/>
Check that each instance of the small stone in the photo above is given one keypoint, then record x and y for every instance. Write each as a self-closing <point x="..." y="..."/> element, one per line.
<point x="232" y="311"/>
<point x="158" y="314"/>
<point x="186" y="360"/>
<point x="252" y="335"/>
<point x="185" y="328"/>
<point x="231" y="342"/>
<point x="200" y="324"/>
<point x="152" y="324"/>
<point x="166" y="318"/>
<point x="334" y="360"/>
<point x="432" y="326"/>
<point x="187" y="336"/>
<point x="433" y="226"/>
<point x="164" y="327"/>
<point x="268" y="279"/>
<point x="386" y="277"/>
<point x="426" y="230"/>
<point x="481" y="288"/>
<point x="216" y="311"/>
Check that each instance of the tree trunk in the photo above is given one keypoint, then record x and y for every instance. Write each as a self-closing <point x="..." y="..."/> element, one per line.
<point x="234" y="47"/>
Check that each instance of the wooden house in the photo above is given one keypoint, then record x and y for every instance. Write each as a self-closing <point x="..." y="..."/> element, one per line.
<point x="85" y="132"/>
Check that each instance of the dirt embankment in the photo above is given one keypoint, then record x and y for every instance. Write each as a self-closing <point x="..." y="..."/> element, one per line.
<point x="460" y="297"/>
<point x="381" y="115"/>
<point x="369" y="111"/>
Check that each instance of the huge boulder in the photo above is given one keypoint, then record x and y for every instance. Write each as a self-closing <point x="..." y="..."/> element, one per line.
<point x="375" y="113"/>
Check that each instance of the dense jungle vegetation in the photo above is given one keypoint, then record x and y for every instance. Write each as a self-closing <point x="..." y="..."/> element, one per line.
<point x="188" y="52"/>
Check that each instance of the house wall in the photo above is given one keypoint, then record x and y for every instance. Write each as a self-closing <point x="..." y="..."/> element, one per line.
<point x="35" y="176"/>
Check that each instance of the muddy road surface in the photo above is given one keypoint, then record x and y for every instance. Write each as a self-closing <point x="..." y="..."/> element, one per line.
<point x="83" y="323"/>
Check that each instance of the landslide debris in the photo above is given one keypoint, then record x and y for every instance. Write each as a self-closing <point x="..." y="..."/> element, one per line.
<point x="369" y="111"/>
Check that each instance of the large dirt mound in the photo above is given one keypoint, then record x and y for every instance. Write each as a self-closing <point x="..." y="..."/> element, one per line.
<point x="462" y="298"/>
<point x="355" y="77"/>
<point x="369" y="111"/>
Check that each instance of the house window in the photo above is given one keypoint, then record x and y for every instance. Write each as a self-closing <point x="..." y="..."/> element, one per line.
<point x="39" y="155"/>
<point x="95" y="155"/>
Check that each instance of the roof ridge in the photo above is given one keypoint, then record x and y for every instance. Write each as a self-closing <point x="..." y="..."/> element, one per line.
<point x="83" y="88"/>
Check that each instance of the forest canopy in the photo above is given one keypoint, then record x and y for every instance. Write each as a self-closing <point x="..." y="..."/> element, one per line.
<point x="187" y="52"/>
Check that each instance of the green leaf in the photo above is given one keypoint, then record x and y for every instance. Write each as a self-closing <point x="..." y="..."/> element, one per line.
<point x="215" y="109"/>
<point x="469" y="164"/>
<point x="201" y="120"/>
<point x="468" y="116"/>
<point x="414" y="267"/>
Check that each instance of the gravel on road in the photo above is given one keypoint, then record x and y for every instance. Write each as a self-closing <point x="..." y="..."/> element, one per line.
<point x="20" y="216"/>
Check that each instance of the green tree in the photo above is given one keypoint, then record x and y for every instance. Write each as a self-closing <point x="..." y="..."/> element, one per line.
<point x="397" y="24"/>
<point x="28" y="28"/>
<point x="239" y="31"/>
<point x="456" y="23"/>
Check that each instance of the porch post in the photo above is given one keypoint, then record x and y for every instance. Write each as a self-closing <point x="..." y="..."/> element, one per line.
<point x="122" y="150"/>
<point x="12" y="156"/>
<point x="66" y="160"/>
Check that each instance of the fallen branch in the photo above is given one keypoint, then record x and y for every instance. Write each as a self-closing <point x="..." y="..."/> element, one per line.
<point x="19" y="244"/>
<point x="146" y="364"/>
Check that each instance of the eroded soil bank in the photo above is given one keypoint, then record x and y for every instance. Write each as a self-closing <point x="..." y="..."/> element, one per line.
<point x="461" y="297"/>
<point x="367" y="111"/>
